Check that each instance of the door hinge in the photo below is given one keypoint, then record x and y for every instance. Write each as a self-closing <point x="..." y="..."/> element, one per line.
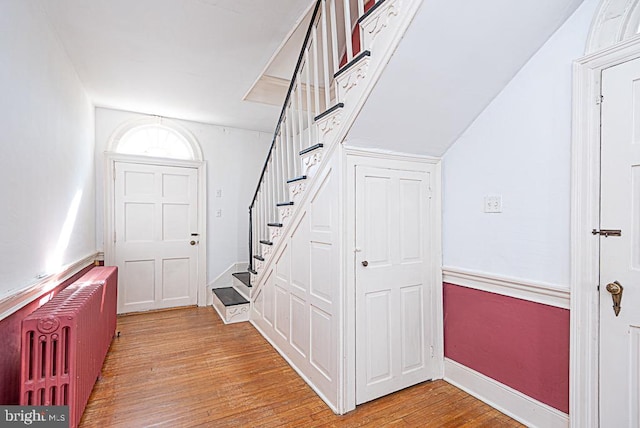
<point x="599" y="99"/>
<point x="432" y="351"/>
<point x="114" y="236"/>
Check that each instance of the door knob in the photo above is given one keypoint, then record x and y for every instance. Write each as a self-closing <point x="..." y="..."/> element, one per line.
<point x="616" y="289"/>
<point x="365" y="263"/>
<point x="192" y="242"/>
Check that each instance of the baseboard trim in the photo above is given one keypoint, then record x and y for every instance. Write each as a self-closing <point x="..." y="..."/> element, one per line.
<point x="14" y="302"/>
<point x="225" y="279"/>
<point x="538" y="292"/>
<point x="512" y="403"/>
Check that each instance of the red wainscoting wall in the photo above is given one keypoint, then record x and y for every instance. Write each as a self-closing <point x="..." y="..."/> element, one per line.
<point x="519" y="343"/>
<point x="10" y="344"/>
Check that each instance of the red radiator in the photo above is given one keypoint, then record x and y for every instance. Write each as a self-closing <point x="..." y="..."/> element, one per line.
<point x="65" y="341"/>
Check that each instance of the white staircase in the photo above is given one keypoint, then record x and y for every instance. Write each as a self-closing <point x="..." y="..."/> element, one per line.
<point x="296" y="246"/>
<point x="308" y="131"/>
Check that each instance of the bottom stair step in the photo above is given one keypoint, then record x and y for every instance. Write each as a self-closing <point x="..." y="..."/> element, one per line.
<point x="230" y="305"/>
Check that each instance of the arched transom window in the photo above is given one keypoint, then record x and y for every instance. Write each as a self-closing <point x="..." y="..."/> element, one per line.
<point x="158" y="138"/>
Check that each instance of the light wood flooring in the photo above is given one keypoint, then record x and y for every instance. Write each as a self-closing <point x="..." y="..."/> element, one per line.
<point x="185" y="368"/>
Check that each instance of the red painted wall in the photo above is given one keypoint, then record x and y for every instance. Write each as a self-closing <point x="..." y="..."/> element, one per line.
<point x="519" y="343"/>
<point x="10" y="345"/>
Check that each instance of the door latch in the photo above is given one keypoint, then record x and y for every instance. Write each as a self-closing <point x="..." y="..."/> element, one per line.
<point x="607" y="232"/>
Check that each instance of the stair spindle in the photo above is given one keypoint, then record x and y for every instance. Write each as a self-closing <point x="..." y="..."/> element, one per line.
<point x="316" y="70"/>
<point x="325" y="54"/>
<point x="300" y="114"/>
<point x="348" y="30"/>
<point x="334" y="37"/>
<point x="307" y="76"/>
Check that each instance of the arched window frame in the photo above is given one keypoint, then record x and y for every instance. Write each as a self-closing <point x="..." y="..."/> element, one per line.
<point x="156" y="121"/>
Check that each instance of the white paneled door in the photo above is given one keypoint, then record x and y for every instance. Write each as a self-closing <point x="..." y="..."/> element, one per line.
<point x="620" y="255"/>
<point x="393" y="290"/>
<point x="156" y="236"/>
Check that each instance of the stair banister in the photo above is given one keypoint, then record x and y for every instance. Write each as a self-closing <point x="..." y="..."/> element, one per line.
<point x="282" y="114"/>
<point x="303" y="102"/>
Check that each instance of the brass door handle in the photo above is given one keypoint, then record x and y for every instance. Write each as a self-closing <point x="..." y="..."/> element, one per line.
<point x="365" y="263"/>
<point x="192" y="242"/>
<point x="616" y="289"/>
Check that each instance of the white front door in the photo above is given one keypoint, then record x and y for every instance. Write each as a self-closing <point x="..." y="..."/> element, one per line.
<point x="620" y="256"/>
<point x="156" y="236"/>
<point x="393" y="290"/>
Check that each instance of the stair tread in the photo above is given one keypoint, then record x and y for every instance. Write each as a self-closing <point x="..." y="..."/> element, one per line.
<point x="257" y="257"/>
<point x="243" y="277"/>
<point x="229" y="296"/>
<point x="312" y="148"/>
<point x="284" y="204"/>
<point x="371" y="10"/>
<point x="265" y="242"/>
<point x="329" y="111"/>
<point x="274" y="224"/>
<point x="293" y="180"/>
<point x="252" y="271"/>
<point x="350" y="64"/>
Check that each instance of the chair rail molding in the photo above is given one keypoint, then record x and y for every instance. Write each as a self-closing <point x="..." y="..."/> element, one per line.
<point x="539" y="292"/>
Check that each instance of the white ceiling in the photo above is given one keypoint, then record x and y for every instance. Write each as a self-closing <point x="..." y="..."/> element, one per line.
<point x="456" y="56"/>
<point x="188" y="59"/>
<point x="196" y="59"/>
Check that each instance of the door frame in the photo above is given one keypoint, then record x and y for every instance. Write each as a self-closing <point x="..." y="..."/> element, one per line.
<point x="382" y="159"/>
<point x="109" y="208"/>
<point x="585" y="216"/>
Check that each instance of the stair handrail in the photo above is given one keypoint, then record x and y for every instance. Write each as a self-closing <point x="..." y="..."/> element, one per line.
<point x="277" y="130"/>
<point x="287" y="98"/>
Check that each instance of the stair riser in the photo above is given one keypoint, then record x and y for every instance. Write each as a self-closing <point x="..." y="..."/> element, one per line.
<point x="310" y="162"/>
<point x="375" y="27"/>
<point x="242" y="288"/>
<point x="231" y="314"/>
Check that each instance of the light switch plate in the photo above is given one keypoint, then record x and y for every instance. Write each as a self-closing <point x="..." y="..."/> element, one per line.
<point x="493" y="204"/>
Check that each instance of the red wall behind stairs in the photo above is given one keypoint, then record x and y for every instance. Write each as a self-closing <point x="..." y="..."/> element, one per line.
<point x="519" y="343"/>
<point x="10" y="344"/>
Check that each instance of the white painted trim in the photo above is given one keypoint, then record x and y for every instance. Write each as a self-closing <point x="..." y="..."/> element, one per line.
<point x="614" y="21"/>
<point x="382" y="159"/>
<point x="109" y="209"/>
<point x="389" y="155"/>
<point x="538" y="292"/>
<point x="585" y="204"/>
<point x="16" y="301"/>
<point x="513" y="403"/>
<point x="294" y="367"/>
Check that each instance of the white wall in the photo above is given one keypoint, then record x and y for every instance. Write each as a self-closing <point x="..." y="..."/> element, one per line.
<point x="47" y="151"/>
<point x="519" y="147"/>
<point x="234" y="161"/>
<point x="455" y="57"/>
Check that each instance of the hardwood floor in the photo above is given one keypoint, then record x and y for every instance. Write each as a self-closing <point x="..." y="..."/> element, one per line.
<point x="185" y="368"/>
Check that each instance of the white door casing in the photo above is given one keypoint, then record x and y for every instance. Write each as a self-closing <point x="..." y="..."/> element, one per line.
<point x="620" y="256"/>
<point x="394" y="291"/>
<point x="155" y="217"/>
<point x="584" y="400"/>
<point x="111" y="159"/>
